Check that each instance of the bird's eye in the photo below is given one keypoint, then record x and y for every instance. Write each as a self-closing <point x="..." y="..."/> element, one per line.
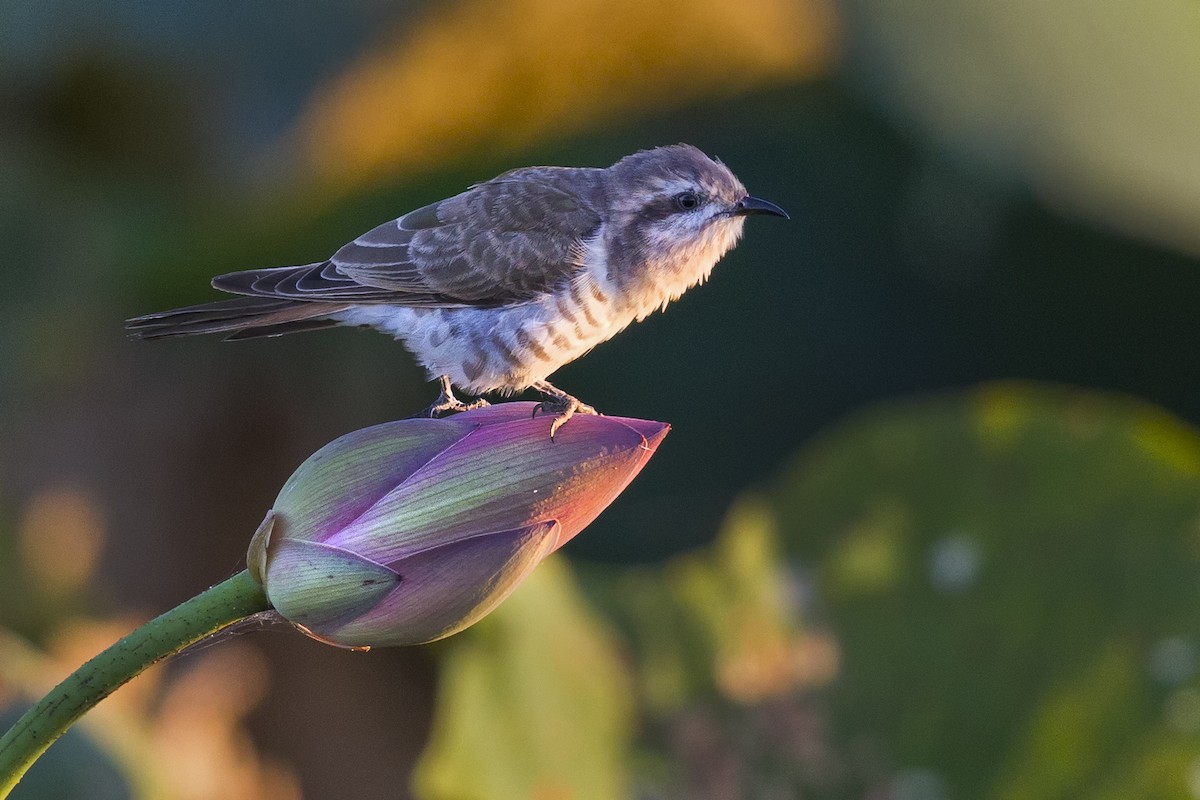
<point x="686" y="201"/>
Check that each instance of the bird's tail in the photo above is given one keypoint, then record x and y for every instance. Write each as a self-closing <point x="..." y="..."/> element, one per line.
<point x="240" y="317"/>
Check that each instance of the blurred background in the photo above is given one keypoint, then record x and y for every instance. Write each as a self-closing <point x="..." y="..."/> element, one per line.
<point x="927" y="526"/>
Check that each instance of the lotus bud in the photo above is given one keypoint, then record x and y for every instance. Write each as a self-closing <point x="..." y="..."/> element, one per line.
<point x="410" y="531"/>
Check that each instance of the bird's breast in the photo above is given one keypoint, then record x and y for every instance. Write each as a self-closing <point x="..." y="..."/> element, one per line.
<point x="667" y="265"/>
<point x="503" y="348"/>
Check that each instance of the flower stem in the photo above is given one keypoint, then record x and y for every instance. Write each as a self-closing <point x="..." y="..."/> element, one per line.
<point x="187" y="623"/>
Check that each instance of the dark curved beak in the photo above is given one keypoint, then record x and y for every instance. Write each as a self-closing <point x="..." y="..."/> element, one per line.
<point x="752" y="205"/>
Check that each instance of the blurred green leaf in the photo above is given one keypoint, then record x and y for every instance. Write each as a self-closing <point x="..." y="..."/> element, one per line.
<point x="533" y="702"/>
<point x="74" y="769"/>
<point x="1013" y="575"/>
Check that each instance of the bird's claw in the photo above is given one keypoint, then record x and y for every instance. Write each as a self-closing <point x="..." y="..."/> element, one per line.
<point x="449" y="404"/>
<point x="563" y="408"/>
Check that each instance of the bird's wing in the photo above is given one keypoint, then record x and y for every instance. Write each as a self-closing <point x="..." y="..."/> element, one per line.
<point x="507" y="239"/>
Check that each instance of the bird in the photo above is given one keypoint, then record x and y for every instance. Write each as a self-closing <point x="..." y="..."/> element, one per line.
<point x="495" y="288"/>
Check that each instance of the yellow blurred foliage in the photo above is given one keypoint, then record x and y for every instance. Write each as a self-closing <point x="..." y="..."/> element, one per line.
<point x="1001" y="413"/>
<point x="869" y="559"/>
<point x="1168" y="439"/>
<point x="1075" y="719"/>
<point x="61" y="535"/>
<point x="741" y="591"/>
<point x="494" y="75"/>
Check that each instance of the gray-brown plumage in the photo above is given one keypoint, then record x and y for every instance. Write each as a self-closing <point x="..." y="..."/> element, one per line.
<point x="495" y="288"/>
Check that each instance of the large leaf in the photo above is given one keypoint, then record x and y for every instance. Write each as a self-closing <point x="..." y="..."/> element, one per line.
<point x="1013" y="575"/>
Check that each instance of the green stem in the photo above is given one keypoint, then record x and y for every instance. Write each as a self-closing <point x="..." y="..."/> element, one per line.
<point x="205" y="614"/>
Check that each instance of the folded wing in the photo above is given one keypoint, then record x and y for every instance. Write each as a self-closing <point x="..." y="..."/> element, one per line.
<point x="501" y="241"/>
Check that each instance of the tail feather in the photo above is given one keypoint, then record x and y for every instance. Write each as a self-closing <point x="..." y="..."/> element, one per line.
<point x="242" y="317"/>
<point x="280" y="328"/>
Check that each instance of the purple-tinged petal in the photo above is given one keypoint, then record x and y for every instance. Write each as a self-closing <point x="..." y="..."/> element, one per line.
<point x="501" y="477"/>
<point x="347" y="476"/>
<point x="446" y="588"/>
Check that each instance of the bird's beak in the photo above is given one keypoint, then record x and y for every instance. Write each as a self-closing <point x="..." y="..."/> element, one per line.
<point x="752" y="205"/>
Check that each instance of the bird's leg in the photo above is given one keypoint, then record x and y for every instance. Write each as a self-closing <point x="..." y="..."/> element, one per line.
<point x="559" y="403"/>
<point x="447" y="403"/>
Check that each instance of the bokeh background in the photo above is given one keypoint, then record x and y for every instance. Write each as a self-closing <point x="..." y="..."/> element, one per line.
<point x="927" y="526"/>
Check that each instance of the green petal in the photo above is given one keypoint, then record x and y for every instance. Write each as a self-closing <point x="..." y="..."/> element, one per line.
<point x="320" y="587"/>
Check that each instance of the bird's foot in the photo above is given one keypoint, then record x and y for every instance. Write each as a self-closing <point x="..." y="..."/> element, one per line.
<point x="448" y="404"/>
<point x="563" y="406"/>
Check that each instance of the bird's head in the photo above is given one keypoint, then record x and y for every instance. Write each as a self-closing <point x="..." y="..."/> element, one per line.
<point x="679" y="208"/>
